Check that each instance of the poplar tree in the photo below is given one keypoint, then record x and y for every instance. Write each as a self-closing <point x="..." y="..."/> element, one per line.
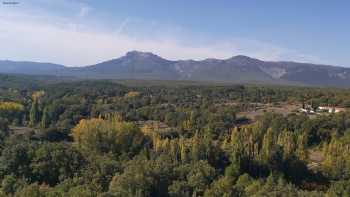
<point x="267" y="145"/>
<point x="34" y="113"/>
<point x="45" y="119"/>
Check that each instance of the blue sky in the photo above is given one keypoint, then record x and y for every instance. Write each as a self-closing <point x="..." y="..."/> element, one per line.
<point x="83" y="32"/>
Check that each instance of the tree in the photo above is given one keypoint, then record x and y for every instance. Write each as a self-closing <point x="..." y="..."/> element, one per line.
<point x="267" y="145"/>
<point x="223" y="187"/>
<point x="339" y="188"/>
<point x="33" y="190"/>
<point x="337" y="157"/>
<point x="301" y="151"/>
<point x="242" y="182"/>
<point x="184" y="152"/>
<point x="45" y="119"/>
<point x="10" y="185"/>
<point x="104" y="136"/>
<point x="233" y="170"/>
<point x="4" y="131"/>
<point x="16" y="157"/>
<point x="54" y="162"/>
<point x="34" y="113"/>
<point x="100" y="170"/>
<point x="12" y="111"/>
<point x="143" y="177"/>
<point x="196" y="177"/>
<point x="4" y="127"/>
<point x="179" y="189"/>
<point x="287" y="140"/>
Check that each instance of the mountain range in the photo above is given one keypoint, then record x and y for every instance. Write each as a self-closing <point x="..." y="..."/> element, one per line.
<point x="237" y="69"/>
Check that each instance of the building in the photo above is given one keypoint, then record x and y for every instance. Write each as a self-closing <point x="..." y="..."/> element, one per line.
<point x="320" y="109"/>
<point x="331" y="109"/>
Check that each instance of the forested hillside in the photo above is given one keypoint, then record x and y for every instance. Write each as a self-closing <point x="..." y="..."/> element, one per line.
<point x="129" y="138"/>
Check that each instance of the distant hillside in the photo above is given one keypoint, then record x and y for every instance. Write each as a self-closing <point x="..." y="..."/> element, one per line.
<point x="30" y="68"/>
<point x="238" y="69"/>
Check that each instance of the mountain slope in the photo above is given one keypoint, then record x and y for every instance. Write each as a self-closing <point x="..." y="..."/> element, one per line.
<point x="30" y="68"/>
<point x="238" y="69"/>
<point x="235" y="69"/>
<point x="134" y="65"/>
<point x="309" y="74"/>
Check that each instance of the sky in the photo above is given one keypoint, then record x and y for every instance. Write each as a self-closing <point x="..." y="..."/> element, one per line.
<point x="85" y="32"/>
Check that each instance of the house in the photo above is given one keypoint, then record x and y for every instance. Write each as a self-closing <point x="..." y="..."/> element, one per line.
<point x="331" y="109"/>
<point x="338" y="109"/>
<point x="325" y="109"/>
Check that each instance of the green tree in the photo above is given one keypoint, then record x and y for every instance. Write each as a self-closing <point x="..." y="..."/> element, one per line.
<point x="267" y="145"/>
<point x="339" y="188"/>
<point x="45" y="119"/>
<point x="143" y="178"/>
<point x="179" y="189"/>
<point x="54" y="162"/>
<point x="10" y="185"/>
<point x="197" y="176"/>
<point x="33" y="190"/>
<point x="100" y="170"/>
<point x="223" y="187"/>
<point x="16" y="157"/>
<point x="34" y="113"/>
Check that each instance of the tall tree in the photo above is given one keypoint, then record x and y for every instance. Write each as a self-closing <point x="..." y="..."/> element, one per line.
<point x="34" y="113"/>
<point x="45" y="120"/>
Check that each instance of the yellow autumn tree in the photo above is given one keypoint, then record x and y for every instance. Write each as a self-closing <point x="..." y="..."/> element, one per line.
<point x="111" y="135"/>
<point x="11" y="106"/>
<point x="132" y="94"/>
<point x="287" y="141"/>
<point x="11" y="111"/>
<point x="267" y="145"/>
<point x="337" y="157"/>
<point x="38" y="94"/>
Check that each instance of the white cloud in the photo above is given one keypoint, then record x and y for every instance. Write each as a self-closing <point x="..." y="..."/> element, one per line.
<point x="122" y="25"/>
<point x="48" y="38"/>
<point x="84" y="11"/>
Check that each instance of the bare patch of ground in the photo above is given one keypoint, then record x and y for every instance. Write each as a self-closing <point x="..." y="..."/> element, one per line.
<point x="21" y="130"/>
<point x="316" y="157"/>
<point x="282" y="108"/>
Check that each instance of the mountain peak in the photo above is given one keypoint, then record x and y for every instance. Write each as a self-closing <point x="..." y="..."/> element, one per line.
<point x="241" y="57"/>
<point x="140" y="54"/>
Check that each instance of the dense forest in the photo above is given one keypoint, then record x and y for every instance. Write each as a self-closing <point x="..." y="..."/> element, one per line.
<point x="122" y="138"/>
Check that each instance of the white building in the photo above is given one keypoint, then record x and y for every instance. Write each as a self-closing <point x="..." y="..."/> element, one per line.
<point x="331" y="109"/>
